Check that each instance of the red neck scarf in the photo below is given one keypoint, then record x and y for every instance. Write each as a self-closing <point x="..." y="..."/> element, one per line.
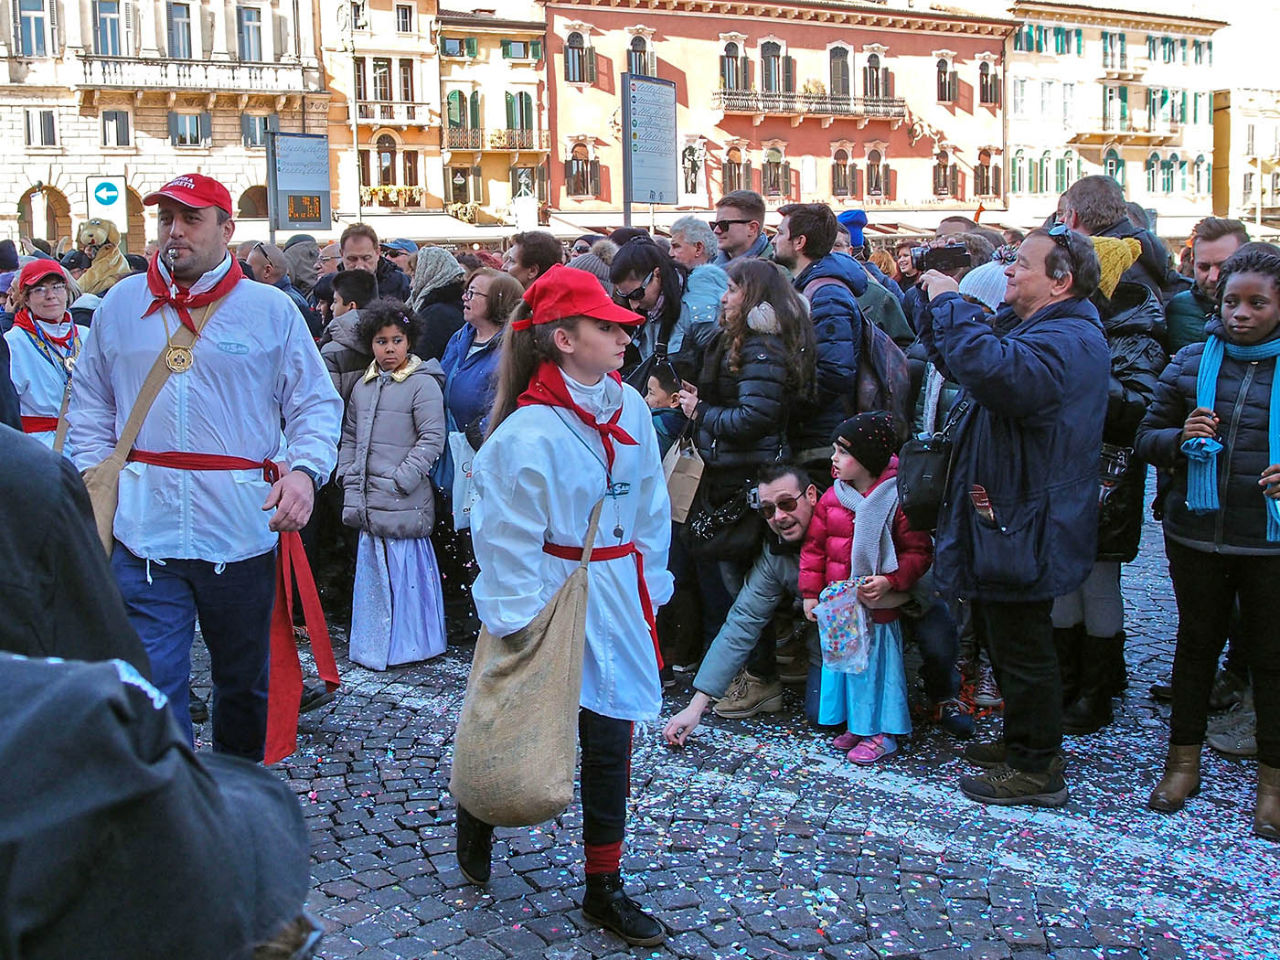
<point x="547" y="387"/>
<point x="24" y="320"/>
<point x="164" y="291"/>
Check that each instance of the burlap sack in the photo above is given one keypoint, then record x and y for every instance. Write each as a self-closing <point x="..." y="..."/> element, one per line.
<point x="514" y="752"/>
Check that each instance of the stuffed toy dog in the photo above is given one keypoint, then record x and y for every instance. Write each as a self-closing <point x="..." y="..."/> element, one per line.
<point x="99" y="240"/>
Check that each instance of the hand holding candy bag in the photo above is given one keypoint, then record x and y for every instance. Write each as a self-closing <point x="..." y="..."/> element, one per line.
<point x="844" y="627"/>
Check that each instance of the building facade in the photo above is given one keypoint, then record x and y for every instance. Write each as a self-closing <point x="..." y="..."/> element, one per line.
<point x="145" y="91"/>
<point x="896" y="111"/>
<point x="1247" y="146"/>
<point x="1104" y="91"/>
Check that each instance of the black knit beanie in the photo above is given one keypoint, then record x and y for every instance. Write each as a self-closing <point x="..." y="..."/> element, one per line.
<point x="869" y="438"/>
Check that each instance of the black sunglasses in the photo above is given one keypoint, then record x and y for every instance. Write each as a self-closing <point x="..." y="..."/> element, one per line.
<point x="720" y="226"/>
<point x="785" y="504"/>
<point x="631" y="296"/>
<point x="1061" y="235"/>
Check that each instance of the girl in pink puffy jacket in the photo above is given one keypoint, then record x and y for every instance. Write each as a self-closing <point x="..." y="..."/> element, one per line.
<point x="859" y="532"/>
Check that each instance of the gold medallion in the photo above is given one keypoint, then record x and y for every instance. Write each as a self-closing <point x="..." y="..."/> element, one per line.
<point x="178" y="359"/>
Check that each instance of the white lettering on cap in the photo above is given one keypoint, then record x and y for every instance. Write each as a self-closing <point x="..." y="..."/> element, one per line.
<point x="182" y="182"/>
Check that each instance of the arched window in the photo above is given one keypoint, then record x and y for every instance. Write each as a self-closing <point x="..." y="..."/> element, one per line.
<point x="386" y="161"/>
<point x="982" y="174"/>
<point x="578" y="171"/>
<point x="1166" y="174"/>
<point x="988" y="84"/>
<point x="875" y="79"/>
<point x="1113" y="167"/>
<point x="941" y="175"/>
<point x="840" y="174"/>
<point x="840" y="87"/>
<point x="876" y="169"/>
<point x="771" y="67"/>
<point x="1199" y="174"/>
<point x="947" y="83"/>
<point x="734" y="177"/>
<point x="1065" y="171"/>
<point x="638" y="57"/>
<point x="1153" y="168"/>
<point x="777" y="174"/>
<point x="579" y="60"/>
<point x="1046" y="160"/>
<point x="1018" y="173"/>
<point x="456" y="110"/>
<point x="732" y="68"/>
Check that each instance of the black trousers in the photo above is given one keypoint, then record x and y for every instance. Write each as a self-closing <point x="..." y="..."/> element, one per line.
<point x="1206" y="586"/>
<point x="1019" y="637"/>
<point x="606" y="775"/>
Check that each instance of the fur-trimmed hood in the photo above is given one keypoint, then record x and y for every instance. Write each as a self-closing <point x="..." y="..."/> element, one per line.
<point x="763" y="319"/>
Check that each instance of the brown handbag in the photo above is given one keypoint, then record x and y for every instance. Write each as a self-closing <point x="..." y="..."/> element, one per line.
<point x="102" y="480"/>
<point x="514" y="751"/>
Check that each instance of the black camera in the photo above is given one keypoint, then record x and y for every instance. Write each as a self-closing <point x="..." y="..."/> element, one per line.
<point x="944" y="258"/>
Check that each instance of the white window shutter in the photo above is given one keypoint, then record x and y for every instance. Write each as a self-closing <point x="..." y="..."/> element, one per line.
<point x="55" y="29"/>
<point x="132" y="30"/>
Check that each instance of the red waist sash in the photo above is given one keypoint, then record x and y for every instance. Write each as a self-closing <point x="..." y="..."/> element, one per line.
<point x="39" y="424"/>
<point x="285" y="677"/>
<point x="615" y="553"/>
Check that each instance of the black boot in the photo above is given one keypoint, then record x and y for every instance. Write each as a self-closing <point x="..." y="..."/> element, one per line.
<point x="475" y="847"/>
<point x="1091" y="711"/>
<point x="1067" y="641"/>
<point x="607" y="905"/>
<point x="1117" y="670"/>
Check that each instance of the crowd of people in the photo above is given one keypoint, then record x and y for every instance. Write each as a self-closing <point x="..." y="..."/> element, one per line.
<point x="449" y="435"/>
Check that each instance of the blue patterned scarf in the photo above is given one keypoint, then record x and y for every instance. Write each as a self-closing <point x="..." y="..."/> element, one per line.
<point x="1202" y="452"/>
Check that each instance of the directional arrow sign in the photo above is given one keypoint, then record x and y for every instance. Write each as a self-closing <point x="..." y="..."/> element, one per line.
<point x="106" y="200"/>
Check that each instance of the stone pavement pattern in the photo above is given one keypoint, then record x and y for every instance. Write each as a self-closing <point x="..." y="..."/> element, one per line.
<point x="759" y="841"/>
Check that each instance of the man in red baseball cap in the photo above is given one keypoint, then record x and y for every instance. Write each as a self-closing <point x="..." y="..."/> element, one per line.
<point x="202" y="504"/>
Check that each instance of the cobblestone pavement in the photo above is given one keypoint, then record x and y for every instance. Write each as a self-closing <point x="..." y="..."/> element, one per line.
<point x="760" y="841"/>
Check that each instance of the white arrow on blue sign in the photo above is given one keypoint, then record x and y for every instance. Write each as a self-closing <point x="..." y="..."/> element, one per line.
<point x="105" y="197"/>
<point x="106" y="193"/>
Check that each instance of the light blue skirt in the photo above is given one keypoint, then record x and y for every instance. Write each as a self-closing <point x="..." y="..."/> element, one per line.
<point x="397" y="613"/>
<point x="874" y="701"/>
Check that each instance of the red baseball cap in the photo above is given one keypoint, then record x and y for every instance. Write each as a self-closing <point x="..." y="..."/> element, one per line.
<point x="193" y="190"/>
<point x="37" y="270"/>
<point x="568" y="292"/>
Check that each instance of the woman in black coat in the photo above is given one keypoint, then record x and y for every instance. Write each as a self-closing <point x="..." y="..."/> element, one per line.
<point x="1089" y="623"/>
<point x="438" y="282"/>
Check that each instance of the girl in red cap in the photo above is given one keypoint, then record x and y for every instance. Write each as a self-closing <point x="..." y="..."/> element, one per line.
<point x="44" y="344"/>
<point x="565" y="432"/>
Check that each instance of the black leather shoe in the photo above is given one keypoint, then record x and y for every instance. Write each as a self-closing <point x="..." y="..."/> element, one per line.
<point x="1162" y="691"/>
<point x="607" y="905"/>
<point x="314" y="696"/>
<point x="198" y="709"/>
<point x="475" y="848"/>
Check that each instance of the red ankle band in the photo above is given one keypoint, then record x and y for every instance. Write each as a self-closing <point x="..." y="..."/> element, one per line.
<point x="604" y="857"/>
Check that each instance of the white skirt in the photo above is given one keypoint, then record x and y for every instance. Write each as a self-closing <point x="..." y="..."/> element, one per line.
<point x="397" y="613"/>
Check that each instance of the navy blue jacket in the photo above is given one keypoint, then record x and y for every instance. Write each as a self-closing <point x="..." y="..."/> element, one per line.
<point x="914" y="303"/>
<point x="837" y="328"/>
<point x="1032" y="437"/>
<point x="9" y="406"/>
<point x="469" y="380"/>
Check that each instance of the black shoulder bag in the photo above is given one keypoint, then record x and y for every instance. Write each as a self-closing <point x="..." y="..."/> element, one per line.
<point x="924" y="470"/>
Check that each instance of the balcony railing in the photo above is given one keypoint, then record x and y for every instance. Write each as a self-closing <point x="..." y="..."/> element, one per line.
<point x="818" y="105"/>
<point x="477" y="138"/>
<point x="202" y="75"/>
<point x="1112" y="126"/>
<point x="391" y="112"/>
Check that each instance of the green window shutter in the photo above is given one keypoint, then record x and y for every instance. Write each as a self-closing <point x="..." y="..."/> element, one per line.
<point x="506" y="49"/>
<point x="535" y="49"/>
<point x="472" y="46"/>
<point x="206" y="127"/>
<point x="1124" y="104"/>
<point x="526" y="112"/>
<point x="1079" y="42"/>
<point x="1151" y="47"/>
<point x="511" y="112"/>
<point x="1123" y="51"/>
<point x="475" y="109"/>
<point x="173" y="128"/>
<point x="477" y="185"/>
<point x="1210" y="45"/>
<point x="1182" y="112"/>
<point x="1018" y="40"/>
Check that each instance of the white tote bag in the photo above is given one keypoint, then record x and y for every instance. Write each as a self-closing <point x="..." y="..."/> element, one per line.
<point x="463" y="494"/>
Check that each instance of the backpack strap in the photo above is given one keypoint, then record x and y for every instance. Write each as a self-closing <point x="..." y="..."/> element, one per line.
<point x="820" y="282"/>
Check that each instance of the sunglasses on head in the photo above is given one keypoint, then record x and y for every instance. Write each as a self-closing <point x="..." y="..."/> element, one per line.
<point x="785" y="504"/>
<point x="720" y="226"/>
<point x="1061" y="235"/>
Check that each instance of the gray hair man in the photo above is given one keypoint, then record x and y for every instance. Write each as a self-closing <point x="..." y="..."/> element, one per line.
<point x="693" y="242"/>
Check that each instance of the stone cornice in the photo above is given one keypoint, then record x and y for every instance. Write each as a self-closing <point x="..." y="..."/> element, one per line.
<point x="1100" y="16"/>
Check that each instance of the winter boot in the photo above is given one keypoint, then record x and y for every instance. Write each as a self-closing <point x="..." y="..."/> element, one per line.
<point x="1068" y="642"/>
<point x="1181" y="779"/>
<point x="1266" y="813"/>
<point x="607" y="904"/>
<point x="1117" y="680"/>
<point x="475" y="847"/>
<point x="1091" y="710"/>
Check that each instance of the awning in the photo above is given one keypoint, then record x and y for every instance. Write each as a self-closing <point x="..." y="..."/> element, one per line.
<point x="433" y="228"/>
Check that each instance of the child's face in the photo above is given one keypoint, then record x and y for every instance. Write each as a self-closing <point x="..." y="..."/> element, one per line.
<point x="847" y="468"/>
<point x="390" y="347"/>
<point x="1250" y="308"/>
<point x="340" y="306"/>
<point x="657" y="398"/>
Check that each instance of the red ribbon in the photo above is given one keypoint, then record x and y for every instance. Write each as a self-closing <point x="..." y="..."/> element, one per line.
<point x="284" y="691"/>
<point x="25" y="321"/>
<point x="39" y="424"/>
<point x="614" y="553"/>
<point x="163" y="291"/>
<point x="547" y="387"/>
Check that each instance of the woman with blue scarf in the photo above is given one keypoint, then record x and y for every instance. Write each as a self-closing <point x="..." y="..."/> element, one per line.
<point x="1215" y="423"/>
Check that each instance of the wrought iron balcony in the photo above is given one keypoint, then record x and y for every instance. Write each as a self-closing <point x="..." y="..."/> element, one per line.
<point x="463" y="138"/>
<point x="518" y="139"/>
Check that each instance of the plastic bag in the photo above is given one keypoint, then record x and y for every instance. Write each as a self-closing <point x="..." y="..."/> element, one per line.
<point x="844" y="627"/>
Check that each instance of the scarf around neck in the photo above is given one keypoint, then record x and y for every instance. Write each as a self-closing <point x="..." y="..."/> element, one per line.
<point x="872" y="552"/>
<point x="1202" y="452"/>
<point x="25" y="321"/>
<point x="547" y="387"/>
<point x="165" y="290"/>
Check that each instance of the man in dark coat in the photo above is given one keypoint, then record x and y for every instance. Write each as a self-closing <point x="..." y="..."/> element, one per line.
<point x="9" y="408"/>
<point x="57" y="595"/>
<point x="1018" y="525"/>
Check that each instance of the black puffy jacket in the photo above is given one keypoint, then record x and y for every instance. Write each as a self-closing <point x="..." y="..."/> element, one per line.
<point x="742" y="417"/>
<point x="1242" y="403"/>
<point x="441" y="317"/>
<point x="392" y="281"/>
<point x="1133" y="322"/>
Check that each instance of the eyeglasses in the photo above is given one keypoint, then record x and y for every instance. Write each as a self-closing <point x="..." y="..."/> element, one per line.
<point x="785" y="504"/>
<point x="472" y="294"/>
<point x="46" y="289"/>
<point x="632" y="296"/>
<point x="722" y="226"/>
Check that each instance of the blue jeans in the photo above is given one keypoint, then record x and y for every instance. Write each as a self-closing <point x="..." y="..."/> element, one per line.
<point x="939" y="642"/>
<point x="234" y="607"/>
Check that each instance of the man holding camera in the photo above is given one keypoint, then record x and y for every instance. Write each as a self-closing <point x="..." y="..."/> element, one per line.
<point x="1018" y="524"/>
